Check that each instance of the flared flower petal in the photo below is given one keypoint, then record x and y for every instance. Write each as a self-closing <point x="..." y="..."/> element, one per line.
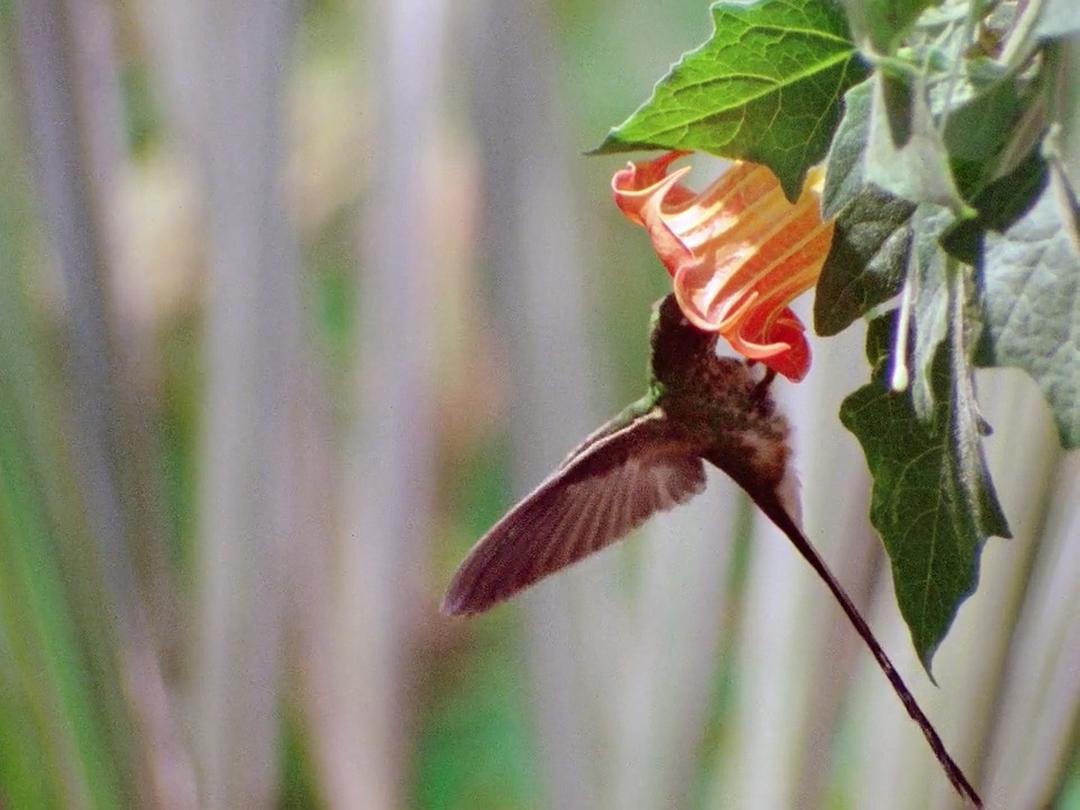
<point x="738" y="252"/>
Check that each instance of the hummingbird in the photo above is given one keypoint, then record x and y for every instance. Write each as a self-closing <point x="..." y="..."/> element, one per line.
<point x="700" y="407"/>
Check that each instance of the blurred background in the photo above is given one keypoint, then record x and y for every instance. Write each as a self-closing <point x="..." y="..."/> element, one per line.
<point x="295" y="299"/>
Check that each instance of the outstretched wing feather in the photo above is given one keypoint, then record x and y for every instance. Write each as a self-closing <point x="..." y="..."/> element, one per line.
<point x="593" y="500"/>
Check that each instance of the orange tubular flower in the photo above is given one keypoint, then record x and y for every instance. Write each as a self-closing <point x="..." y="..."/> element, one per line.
<point x="738" y="252"/>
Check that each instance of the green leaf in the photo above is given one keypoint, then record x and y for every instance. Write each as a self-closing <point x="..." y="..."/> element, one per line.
<point x="1031" y="301"/>
<point x="871" y="253"/>
<point x="55" y="632"/>
<point x="980" y="128"/>
<point x="844" y="176"/>
<point x="867" y="260"/>
<point x="905" y="155"/>
<point x="765" y="87"/>
<point x="999" y="206"/>
<point x="930" y="302"/>
<point x="884" y="22"/>
<point x="933" y="502"/>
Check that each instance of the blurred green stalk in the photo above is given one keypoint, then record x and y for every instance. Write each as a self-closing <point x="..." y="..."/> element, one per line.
<point x="88" y="691"/>
<point x="55" y="726"/>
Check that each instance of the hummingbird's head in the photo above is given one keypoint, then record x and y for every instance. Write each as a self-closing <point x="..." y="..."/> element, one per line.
<point x="668" y="320"/>
<point x="676" y="343"/>
<point x="666" y="311"/>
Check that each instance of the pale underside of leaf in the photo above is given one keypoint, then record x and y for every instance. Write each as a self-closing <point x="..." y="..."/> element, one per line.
<point x="844" y="174"/>
<point x="918" y="168"/>
<point x="1031" y="289"/>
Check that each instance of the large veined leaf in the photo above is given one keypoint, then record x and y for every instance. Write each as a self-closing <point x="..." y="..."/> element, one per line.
<point x="1031" y="300"/>
<point x="766" y="87"/>
<point x="933" y="502"/>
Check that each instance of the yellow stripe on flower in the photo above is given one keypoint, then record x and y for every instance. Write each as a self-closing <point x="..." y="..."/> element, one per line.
<point x="738" y="252"/>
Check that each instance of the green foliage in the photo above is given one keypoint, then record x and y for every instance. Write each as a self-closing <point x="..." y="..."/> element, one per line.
<point x="929" y="297"/>
<point x="846" y="178"/>
<point x="1031" y="301"/>
<point x="905" y="155"/>
<point x="883" y="22"/>
<point x="866" y="263"/>
<point x="957" y="139"/>
<point x="141" y="116"/>
<point x="475" y="749"/>
<point x="1000" y="205"/>
<point x="64" y="728"/>
<point x="980" y="134"/>
<point x="300" y="785"/>
<point x="933" y="501"/>
<point x="948" y="177"/>
<point x="766" y="87"/>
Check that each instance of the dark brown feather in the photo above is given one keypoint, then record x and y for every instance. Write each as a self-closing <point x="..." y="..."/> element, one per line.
<point x="596" y="498"/>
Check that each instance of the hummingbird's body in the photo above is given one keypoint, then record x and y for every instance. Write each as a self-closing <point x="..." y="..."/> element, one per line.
<point x="699" y="407"/>
<point x="649" y="458"/>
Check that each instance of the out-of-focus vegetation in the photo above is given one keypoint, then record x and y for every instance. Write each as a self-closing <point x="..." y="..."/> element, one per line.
<point x="294" y="299"/>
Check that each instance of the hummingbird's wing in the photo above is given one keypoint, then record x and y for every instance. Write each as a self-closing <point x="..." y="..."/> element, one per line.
<point x="595" y="498"/>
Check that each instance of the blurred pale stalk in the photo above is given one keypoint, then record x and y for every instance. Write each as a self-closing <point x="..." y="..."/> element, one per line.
<point x="95" y="88"/>
<point x="835" y="490"/>
<point x="388" y="487"/>
<point x="830" y="669"/>
<point x="1034" y="740"/>
<point x="668" y="664"/>
<point x="312" y="565"/>
<point x="1022" y="454"/>
<point x="531" y="243"/>
<point x="1068" y="102"/>
<point x="667" y="660"/>
<point x="248" y="499"/>
<point x="72" y="100"/>
<point x="784" y="678"/>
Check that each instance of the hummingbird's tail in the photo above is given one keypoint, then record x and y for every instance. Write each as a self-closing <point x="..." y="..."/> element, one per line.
<point x="771" y="506"/>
